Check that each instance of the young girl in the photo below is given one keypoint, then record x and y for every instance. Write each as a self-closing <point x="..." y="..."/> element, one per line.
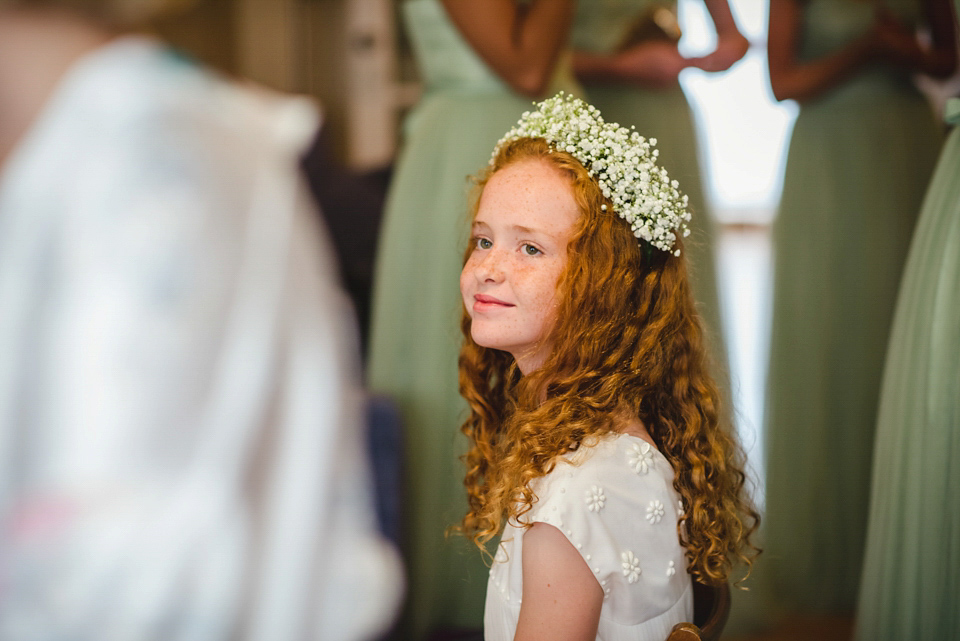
<point x="595" y="443"/>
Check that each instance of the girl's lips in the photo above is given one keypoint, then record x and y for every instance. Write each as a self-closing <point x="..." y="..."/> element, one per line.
<point x="483" y="302"/>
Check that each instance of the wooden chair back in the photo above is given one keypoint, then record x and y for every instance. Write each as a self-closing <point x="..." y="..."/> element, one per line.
<point x="711" y="608"/>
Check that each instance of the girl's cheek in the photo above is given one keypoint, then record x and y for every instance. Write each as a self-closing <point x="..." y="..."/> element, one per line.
<point x="467" y="279"/>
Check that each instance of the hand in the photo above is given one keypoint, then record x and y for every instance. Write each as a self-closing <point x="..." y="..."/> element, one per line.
<point x="651" y="64"/>
<point x="895" y="42"/>
<point x="729" y="49"/>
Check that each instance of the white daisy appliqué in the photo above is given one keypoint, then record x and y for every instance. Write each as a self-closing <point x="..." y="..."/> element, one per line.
<point x="595" y="499"/>
<point x="671" y="569"/>
<point x="655" y="511"/>
<point x="640" y="457"/>
<point x="630" y="565"/>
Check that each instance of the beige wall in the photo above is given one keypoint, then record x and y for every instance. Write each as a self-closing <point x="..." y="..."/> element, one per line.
<point x="342" y="52"/>
<point x="207" y="32"/>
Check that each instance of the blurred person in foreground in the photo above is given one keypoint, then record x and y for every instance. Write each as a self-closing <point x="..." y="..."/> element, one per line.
<point x="180" y="433"/>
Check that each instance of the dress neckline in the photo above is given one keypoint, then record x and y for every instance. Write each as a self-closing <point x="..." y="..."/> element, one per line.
<point x="613" y="437"/>
<point x="642" y="440"/>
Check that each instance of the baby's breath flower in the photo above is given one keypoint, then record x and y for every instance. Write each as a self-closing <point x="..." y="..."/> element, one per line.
<point x="621" y="161"/>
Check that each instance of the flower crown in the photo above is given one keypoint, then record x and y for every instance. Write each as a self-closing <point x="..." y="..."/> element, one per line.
<point x="621" y="161"/>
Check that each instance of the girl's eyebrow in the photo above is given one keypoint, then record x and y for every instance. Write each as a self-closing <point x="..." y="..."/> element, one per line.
<point x="530" y="231"/>
<point x="517" y="228"/>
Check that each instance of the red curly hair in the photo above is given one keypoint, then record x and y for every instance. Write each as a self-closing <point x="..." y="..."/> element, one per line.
<point x="627" y="342"/>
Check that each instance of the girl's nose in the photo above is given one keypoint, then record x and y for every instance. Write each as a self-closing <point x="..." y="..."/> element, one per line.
<point x="490" y="268"/>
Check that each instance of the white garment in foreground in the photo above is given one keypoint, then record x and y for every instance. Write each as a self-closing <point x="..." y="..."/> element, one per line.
<point x="615" y="502"/>
<point x="180" y="421"/>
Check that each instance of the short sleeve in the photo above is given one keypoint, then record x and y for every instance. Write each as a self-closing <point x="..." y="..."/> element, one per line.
<point x="615" y="503"/>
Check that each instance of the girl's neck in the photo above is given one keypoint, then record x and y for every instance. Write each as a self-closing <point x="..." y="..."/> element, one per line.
<point x="37" y="49"/>
<point x="627" y="423"/>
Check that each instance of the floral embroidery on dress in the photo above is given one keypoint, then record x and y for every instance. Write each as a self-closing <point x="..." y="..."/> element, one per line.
<point x="595" y="499"/>
<point x="671" y="569"/>
<point x="655" y="511"/>
<point x="640" y="456"/>
<point x="630" y="565"/>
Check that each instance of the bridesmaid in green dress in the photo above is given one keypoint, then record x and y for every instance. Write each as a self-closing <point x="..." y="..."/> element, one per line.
<point x="636" y="83"/>
<point x="481" y="62"/>
<point x="911" y="576"/>
<point x="861" y="155"/>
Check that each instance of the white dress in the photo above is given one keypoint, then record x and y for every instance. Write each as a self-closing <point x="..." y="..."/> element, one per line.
<point x="615" y="502"/>
<point x="180" y="417"/>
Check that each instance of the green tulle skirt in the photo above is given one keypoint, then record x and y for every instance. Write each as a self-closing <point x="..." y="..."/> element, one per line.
<point x="856" y="173"/>
<point x="415" y="342"/>
<point x="911" y="576"/>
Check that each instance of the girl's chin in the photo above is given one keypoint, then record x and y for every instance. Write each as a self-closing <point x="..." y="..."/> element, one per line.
<point x="489" y="342"/>
<point x="485" y="342"/>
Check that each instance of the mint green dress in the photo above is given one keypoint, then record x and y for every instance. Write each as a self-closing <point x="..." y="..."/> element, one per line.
<point x="664" y="114"/>
<point x="415" y="328"/>
<point x="859" y="163"/>
<point x="911" y="575"/>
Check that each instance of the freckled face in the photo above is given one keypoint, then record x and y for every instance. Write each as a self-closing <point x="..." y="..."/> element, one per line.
<point x="525" y="219"/>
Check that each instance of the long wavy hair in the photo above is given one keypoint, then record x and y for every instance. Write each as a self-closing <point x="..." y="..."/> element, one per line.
<point x="627" y="342"/>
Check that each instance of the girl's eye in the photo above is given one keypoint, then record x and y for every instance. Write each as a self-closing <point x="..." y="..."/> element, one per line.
<point x="530" y="250"/>
<point x="484" y="243"/>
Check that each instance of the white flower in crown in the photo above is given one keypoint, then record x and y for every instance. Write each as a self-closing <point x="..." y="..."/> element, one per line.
<point x="621" y="161"/>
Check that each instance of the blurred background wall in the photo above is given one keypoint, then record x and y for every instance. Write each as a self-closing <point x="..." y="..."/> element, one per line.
<point x="346" y="53"/>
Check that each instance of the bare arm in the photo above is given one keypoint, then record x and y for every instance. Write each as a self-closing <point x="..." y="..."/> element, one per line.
<point x="791" y="79"/>
<point x="940" y="59"/>
<point x="731" y="45"/>
<point x="521" y="45"/>
<point x="655" y="65"/>
<point x="658" y="64"/>
<point x="561" y="596"/>
<point x="943" y="28"/>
